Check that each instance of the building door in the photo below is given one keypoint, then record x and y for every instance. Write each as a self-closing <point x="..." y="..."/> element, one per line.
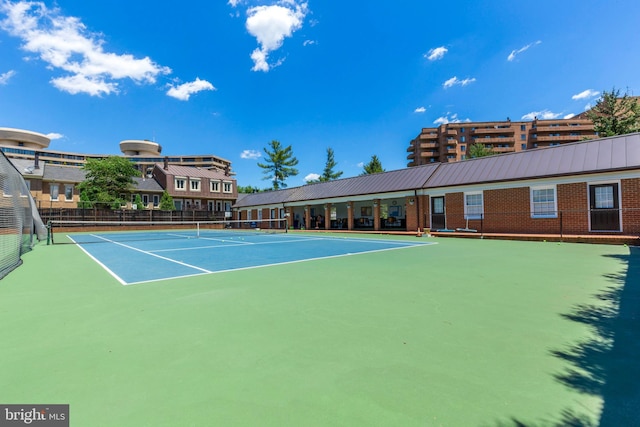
<point x="604" y="207"/>
<point x="437" y="213"/>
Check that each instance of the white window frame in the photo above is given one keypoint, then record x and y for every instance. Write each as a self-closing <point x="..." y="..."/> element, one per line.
<point x="471" y="213"/>
<point x="68" y="187"/>
<point x="214" y="186"/>
<point x="194" y="182"/>
<point x="227" y="187"/>
<point x="532" y="202"/>
<point x="182" y="180"/>
<point x="57" y="191"/>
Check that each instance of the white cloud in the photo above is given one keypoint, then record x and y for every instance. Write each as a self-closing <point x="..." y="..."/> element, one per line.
<point x="569" y="116"/>
<point x="270" y="25"/>
<point x="453" y="81"/>
<point x="308" y="42"/>
<point x="588" y="107"/>
<point x="312" y="177"/>
<point x="233" y="3"/>
<point x="53" y="136"/>
<point x="513" y="53"/>
<point x="250" y="154"/>
<point x="585" y="94"/>
<point x="420" y="110"/>
<point x="64" y="43"/>
<point x="83" y="84"/>
<point x="541" y="115"/>
<point x="447" y="119"/>
<point x="4" y="77"/>
<point x="360" y="165"/>
<point x="436" y="53"/>
<point x="185" y="90"/>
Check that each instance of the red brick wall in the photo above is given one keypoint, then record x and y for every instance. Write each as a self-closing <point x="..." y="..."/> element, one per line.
<point x="631" y="206"/>
<point x="573" y="202"/>
<point x="411" y="213"/>
<point x="508" y="210"/>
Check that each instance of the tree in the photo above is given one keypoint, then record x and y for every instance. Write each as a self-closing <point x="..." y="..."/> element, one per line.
<point x="479" y="150"/>
<point x="166" y="202"/>
<point x="374" y="166"/>
<point x="613" y="115"/>
<point x="329" y="174"/>
<point x="106" y="179"/>
<point x="280" y="164"/>
<point x="85" y="203"/>
<point x="249" y="189"/>
<point x="138" y="202"/>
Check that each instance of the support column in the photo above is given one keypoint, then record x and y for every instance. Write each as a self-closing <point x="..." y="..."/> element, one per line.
<point x="349" y="215"/>
<point x="376" y="214"/>
<point x="327" y="216"/>
<point x="307" y="217"/>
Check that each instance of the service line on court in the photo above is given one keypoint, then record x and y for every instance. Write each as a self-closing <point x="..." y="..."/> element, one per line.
<point x="152" y="254"/>
<point x="231" y="245"/>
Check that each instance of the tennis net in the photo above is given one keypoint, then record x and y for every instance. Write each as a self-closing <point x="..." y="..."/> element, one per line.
<point x="65" y="231"/>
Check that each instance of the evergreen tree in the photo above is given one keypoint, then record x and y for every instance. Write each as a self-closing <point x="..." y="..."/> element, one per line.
<point x="329" y="174"/>
<point x="138" y="202"/>
<point x="374" y="166"/>
<point x="280" y="164"/>
<point x="614" y="115"/>
<point x="249" y="189"/>
<point x="166" y="202"/>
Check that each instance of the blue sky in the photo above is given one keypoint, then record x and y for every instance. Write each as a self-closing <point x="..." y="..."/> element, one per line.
<point x="362" y="77"/>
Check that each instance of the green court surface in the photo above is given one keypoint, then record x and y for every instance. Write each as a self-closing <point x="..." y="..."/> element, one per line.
<point x="467" y="332"/>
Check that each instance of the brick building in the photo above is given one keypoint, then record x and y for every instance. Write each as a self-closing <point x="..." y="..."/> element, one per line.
<point x="450" y="142"/>
<point x="582" y="188"/>
<point x="197" y="189"/>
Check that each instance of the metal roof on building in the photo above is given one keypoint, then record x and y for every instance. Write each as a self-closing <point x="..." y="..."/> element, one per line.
<point x="384" y="182"/>
<point x="194" y="172"/>
<point x="597" y="155"/>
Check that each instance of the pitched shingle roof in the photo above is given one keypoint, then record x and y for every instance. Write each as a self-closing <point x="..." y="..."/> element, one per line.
<point x="63" y="173"/>
<point x="27" y="168"/>
<point x="147" y="184"/>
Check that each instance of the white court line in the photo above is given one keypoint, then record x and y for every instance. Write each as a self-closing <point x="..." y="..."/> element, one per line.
<point x="284" y="263"/>
<point x="231" y="245"/>
<point x="152" y="254"/>
<point x="122" y="282"/>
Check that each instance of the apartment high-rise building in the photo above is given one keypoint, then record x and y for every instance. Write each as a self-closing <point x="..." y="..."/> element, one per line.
<point x="450" y="142"/>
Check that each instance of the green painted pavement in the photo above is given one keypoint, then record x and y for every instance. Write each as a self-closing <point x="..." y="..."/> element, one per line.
<point x="463" y="333"/>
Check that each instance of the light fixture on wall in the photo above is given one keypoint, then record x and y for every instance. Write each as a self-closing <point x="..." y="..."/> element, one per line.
<point x="375" y="203"/>
<point x="412" y="201"/>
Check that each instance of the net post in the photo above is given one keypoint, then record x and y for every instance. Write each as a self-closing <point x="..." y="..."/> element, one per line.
<point x="198" y="230"/>
<point x="49" y="233"/>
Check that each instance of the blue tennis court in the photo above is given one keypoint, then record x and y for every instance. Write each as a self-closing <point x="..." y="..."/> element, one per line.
<point x="178" y="254"/>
